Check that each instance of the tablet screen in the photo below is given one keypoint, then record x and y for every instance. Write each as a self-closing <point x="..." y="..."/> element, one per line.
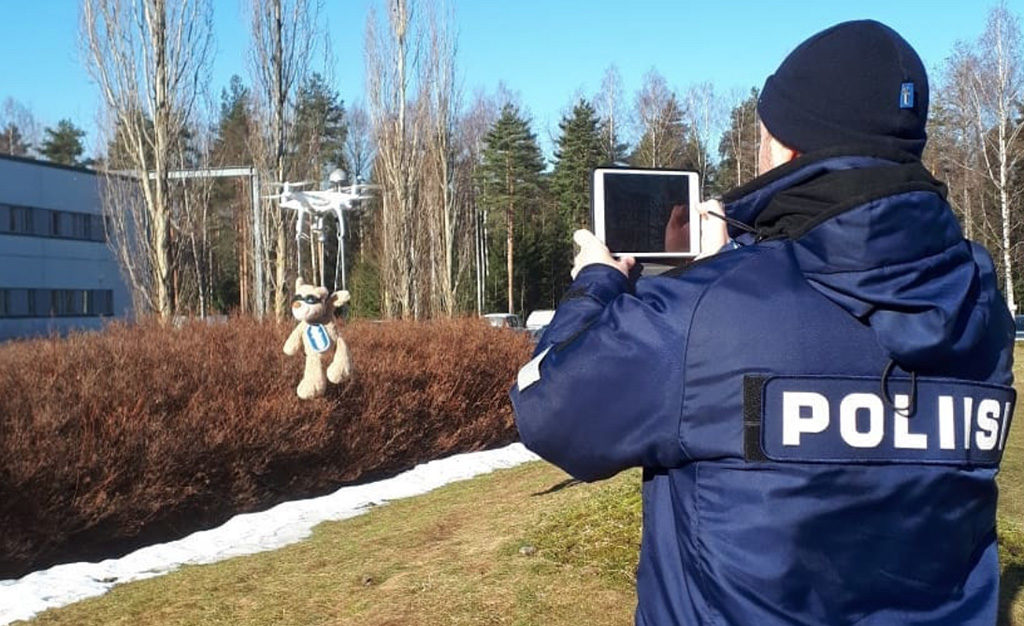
<point x="637" y="207"/>
<point x="633" y="212"/>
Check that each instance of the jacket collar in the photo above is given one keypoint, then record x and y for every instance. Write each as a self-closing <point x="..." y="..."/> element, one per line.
<point x="747" y="202"/>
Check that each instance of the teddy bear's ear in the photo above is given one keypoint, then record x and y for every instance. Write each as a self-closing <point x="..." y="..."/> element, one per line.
<point x="340" y="298"/>
<point x="299" y="282"/>
<point x="321" y="292"/>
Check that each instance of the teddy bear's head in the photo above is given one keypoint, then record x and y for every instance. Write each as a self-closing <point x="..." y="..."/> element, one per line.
<point x="312" y="305"/>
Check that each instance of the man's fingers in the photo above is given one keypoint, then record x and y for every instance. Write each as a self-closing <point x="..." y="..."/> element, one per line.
<point x="709" y="206"/>
<point x="584" y="238"/>
<point x="713" y="232"/>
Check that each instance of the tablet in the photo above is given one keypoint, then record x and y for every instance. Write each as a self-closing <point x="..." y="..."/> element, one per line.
<point x="632" y="207"/>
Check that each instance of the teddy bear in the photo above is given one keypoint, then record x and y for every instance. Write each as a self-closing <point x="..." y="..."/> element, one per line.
<point x="313" y="307"/>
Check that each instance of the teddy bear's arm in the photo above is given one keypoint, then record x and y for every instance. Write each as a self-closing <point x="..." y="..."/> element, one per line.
<point x="294" y="341"/>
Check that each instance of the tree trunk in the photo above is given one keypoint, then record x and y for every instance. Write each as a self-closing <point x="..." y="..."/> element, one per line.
<point x="509" y="224"/>
<point x="161" y="120"/>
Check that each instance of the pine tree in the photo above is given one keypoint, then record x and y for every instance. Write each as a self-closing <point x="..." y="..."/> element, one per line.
<point x="63" y="144"/>
<point x="579" y="149"/>
<point x="578" y="152"/>
<point x="231" y="134"/>
<point x="320" y="130"/>
<point x="231" y="277"/>
<point x="509" y="179"/>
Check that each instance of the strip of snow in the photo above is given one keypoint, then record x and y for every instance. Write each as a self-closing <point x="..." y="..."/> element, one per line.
<point x="248" y="533"/>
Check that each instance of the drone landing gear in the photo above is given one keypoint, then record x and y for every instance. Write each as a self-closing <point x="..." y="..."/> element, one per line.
<point x="318" y="249"/>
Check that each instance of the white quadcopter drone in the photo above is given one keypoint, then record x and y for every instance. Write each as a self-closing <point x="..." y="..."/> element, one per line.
<point x="319" y="204"/>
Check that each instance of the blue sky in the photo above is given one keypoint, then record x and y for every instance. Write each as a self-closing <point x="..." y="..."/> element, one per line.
<point x="548" y="51"/>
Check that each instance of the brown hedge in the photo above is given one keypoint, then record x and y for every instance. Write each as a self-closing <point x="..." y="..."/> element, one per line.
<point x="140" y="434"/>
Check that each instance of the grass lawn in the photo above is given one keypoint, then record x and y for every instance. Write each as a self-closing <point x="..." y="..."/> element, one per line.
<point x="455" y="556"/>
<point x="1011" y="508"/>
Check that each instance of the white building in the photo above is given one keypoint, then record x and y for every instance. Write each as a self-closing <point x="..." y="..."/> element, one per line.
<point x="57" y="272"/>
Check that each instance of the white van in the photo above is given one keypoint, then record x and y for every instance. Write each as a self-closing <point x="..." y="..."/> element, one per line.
<point x="539" y="319"/>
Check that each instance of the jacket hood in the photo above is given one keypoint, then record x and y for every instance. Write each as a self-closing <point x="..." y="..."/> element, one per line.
<point x="872" y="232"/>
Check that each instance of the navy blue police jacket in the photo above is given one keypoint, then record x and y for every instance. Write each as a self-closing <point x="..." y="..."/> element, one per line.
<point x="819" y="412"/>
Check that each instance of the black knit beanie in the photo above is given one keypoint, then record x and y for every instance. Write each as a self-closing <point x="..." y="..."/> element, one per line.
<point x="856" y="83"/>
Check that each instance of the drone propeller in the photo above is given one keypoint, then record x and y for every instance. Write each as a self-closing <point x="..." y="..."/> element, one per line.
<point x="301" y="183"/>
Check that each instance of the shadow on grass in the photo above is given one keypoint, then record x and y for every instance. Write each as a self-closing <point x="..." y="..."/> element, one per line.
<point x="1011" y="592"/>
<point x="569" y="482"/>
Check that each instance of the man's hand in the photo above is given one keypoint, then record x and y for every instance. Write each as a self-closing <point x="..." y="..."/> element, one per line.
<point x="714" y="232"/>
<point x="677" y="230"/>
<point x="592" y="252"/>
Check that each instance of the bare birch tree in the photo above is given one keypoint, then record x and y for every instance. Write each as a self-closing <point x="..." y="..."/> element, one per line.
<point x="703" y="114"/>
<point x="283" y="42"/>
<point x="19" y="131"/>
<point x="954" y="147"/>
<point x="607" y="103"/>
<point x="389" y="52"/>
<point x="359" y="149"/>
<point x="740" y="142"/>
<point x="447" y="217"/>
<point x="659" y="124"/>
<point x="475" y="123"/>
<point x="148" y="58"/>
<point x="193" y="197"/>
<point x="996" y="90"/>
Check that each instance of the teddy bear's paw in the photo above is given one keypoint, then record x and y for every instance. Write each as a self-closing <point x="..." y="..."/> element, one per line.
<point x="337" y="372"/>
<point x="310" y="389"/>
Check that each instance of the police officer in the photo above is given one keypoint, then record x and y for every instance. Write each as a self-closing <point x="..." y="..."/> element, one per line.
<point x="820" y="408"/>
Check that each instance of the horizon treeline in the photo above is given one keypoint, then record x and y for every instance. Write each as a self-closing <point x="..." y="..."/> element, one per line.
<point x="467" y="214"/>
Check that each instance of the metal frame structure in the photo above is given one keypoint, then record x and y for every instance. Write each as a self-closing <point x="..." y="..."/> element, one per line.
<point x="257" y="232"/>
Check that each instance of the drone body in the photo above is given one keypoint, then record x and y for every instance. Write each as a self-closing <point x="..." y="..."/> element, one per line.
<point x="319" y="203"/>
<point x="308" y="204"/>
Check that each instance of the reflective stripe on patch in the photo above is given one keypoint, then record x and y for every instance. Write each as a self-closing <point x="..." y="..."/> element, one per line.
<point x="530" y="373"/>
<point x="318" y="337"/>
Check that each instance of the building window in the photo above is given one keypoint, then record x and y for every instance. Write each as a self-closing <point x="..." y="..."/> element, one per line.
<point x="56" y="302"/>
<point x="39" y="302"/>
<point x="66" y="303"/>
<point x="80" y="225"/>
<point x="21" y="220"/>
<point x="16" y="302"/>
<point x="96" y="230"/>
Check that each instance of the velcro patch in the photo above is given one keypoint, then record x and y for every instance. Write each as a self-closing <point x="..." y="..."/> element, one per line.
<point x="907" y="95"/>
<point x="823" y="419"/>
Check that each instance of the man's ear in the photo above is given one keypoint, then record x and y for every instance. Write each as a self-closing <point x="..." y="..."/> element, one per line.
<point x="340" y="298"/>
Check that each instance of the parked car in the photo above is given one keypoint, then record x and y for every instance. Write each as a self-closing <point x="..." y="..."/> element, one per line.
<point x="537" y="322"/>
<point x="1018" y="322"/>
<point x="504" y="320"/>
